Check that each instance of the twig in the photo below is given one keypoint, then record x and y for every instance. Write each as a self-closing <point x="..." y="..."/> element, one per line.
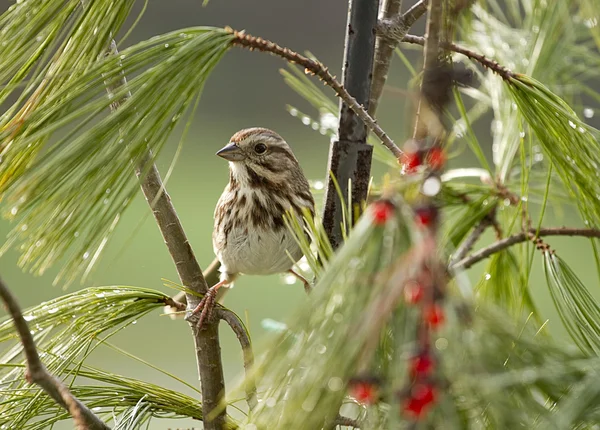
<point x="500" y="245"/>
<point x="37" y="373"/>
<point x="345" y="421"/>
<point x="502" y="71"/>
<point x="240" y="332"/>
<point x="467" y="244"/>
<point x="392" y="27"/>
<point x="318" y="69"/>
<point x="207" y="346"/>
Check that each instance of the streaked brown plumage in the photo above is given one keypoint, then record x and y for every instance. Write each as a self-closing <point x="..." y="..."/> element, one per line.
<point x="250" y="236"/>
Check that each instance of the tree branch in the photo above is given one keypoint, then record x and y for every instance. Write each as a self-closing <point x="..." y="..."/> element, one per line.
<point x="500" y="245"/>
<point x="242" y="336"/>
<point x="392" y="27"/>
<point x="316" y="68"/>
<point x="502" y="71"/>
<point x="350" y="156"/>
<point x="37" y="373"/>
<point x="207" y="346"/>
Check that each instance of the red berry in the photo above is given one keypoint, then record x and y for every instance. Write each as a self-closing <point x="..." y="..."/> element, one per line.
<point x="382" y="212"/>
<point x="436" y="158"/>
<point x="422" y="396"/>
<point x="413" y="292"/>
<point x="364" y="391"/>
<point x="422" y="365"/>
<point x="410" y="161"/>
<point x="425" y="216"/>
<point x="434" y="315"/>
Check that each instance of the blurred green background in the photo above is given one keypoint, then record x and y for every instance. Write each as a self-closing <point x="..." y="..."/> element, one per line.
<point x="245" y="90"/>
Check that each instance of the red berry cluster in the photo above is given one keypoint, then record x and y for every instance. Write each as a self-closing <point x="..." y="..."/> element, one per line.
<point x="382" y="211"/>
<point x="411" y="160"/>
<point x="365" y="389"/>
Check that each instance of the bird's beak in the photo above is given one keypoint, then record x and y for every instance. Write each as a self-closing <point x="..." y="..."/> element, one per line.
<point x="231" y="152"/>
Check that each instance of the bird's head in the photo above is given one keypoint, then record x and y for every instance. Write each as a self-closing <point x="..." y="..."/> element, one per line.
<point x="259" y="151"/>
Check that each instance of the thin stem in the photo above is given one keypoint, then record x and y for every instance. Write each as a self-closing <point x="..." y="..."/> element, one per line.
<point x="502" y="71"/>
<point x="242" y="336"/>
<point x="467" y="244"/>
<point x="316" y="68"/>
<point x="392" y="27"/>
<point x="533" y="233"/>
<point x="345" y="422"/>
<point x="207" y="346"/>
<point x="37" y="373"/>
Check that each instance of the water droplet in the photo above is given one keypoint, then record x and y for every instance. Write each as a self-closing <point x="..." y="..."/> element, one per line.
<point x="506" y="202"/>
<point x="14" y="210"/>
<point x="588" y="112"/>
<point x="294" y="112"/>
<point x="591" y="22"/>
<point x="28" y="317"/>
<point x="538" y="157"/>
<point x="309" y="404"/>
<point x="97" y="408"/>
<point x="134" y="322"/>
<point x="522" y="134"/>
<point x="53" y="311"/>
<point x="24" y="227"/>
<point x="572" y="124"/>
<point x="289" y="279"/>
<point x="76" y="234"/>
<point x="100" y="295"/>
<point x="175" y="117"/>
<point x="321" y="349"/>
<point x="328" y="121"/>
<point x="95" y="31"/>
<point x="318" y="185"/>
<point x="488" y="276"/>
<point x="314" y="126"/>
<point x="86" y="255"/>
<point x="305" y="120"/>
<point x="32" y="331"/>
<point x="166" y="45"/>
<point x="535" y="29"/>
<point x="431" y="186"/>
<point x="441" y="343"/>
<point x="335" y="383"/>
<point x="122" y="57"/>
<point x="270" y="402"/>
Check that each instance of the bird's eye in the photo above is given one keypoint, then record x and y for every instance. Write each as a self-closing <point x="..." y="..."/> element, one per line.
<point x="260" y="148"/>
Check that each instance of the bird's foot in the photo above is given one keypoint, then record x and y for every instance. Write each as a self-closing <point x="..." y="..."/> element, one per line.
<point x="307" y="286"/>
<point x="207" y="304"/>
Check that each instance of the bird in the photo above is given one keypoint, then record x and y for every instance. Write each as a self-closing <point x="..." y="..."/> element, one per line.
<point x="250" y="236"/>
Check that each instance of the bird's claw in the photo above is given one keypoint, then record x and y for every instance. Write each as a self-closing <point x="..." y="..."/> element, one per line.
<point x="206" y="306"/>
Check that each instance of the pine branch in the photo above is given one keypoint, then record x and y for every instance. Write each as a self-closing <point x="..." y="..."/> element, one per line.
<point x="500" y="245"/>
<point x="316" y="68"/>
<point x="36" y="371"/>
<point x="206" y="340"/>
<point x="502" y="71"/>
<point x="391" y="29"/>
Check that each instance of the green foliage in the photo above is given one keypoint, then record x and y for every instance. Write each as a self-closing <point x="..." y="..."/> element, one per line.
<point x="68" y="201"/>
<point x="67" y="330"/>
<point x="306" y="369"/>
